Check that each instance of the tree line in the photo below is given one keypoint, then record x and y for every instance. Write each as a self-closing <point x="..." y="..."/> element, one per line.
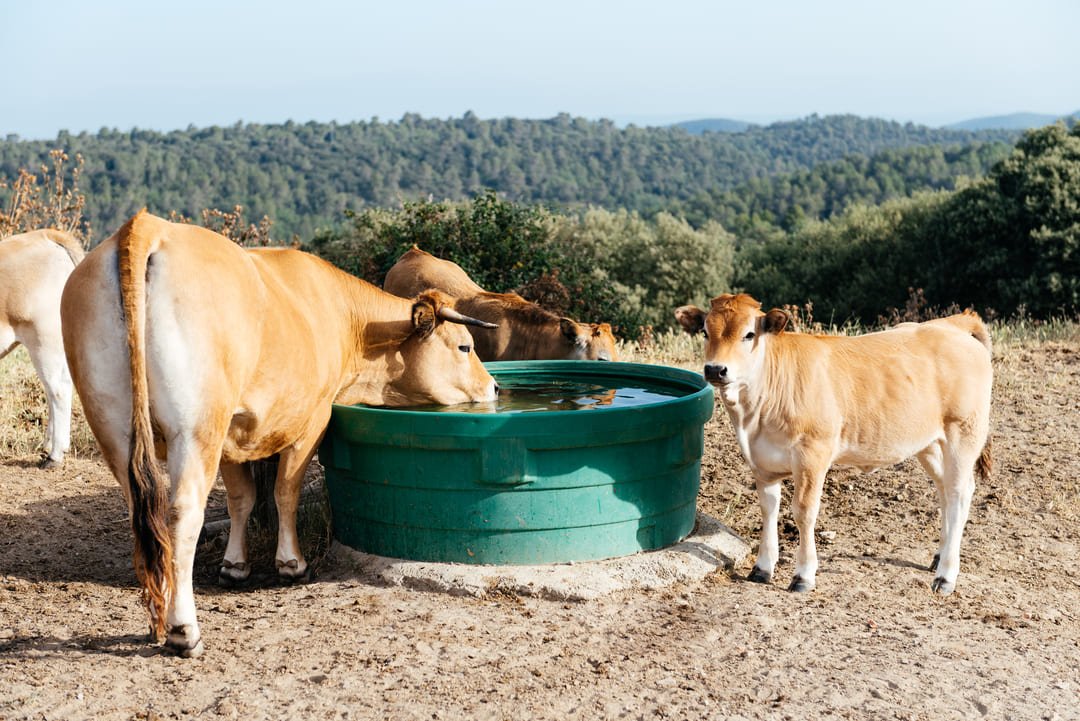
<point x="304" y="176"/>
<point x="990" y="225"/>
<point x="1005" y="243"/>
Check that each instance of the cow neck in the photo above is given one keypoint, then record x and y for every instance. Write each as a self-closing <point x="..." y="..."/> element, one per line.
<point x="753" y="394"/>
<point x="781" y="375"/>
<point x="538" y="341"/>
<point x="380" y="323"/>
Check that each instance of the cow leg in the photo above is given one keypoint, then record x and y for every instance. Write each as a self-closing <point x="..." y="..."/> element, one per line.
<point x="958" y="486"/>
<point x="809" y="477"/>
<point x="932" y="460"/>
<point x="46" y="350"/>
<point x="291" y="467"/>
<point x="192" y="469"/>
<point x="240" y="489"/>
<point x="768" y="493"/>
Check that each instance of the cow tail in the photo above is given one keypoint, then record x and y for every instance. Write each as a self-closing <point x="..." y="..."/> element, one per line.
<point x="984" y="466"/>
<point x="147" y="483"/>
<point x="69" y="244"/>
<point x="978" y="330"/>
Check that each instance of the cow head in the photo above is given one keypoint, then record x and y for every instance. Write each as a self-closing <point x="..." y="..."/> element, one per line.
<point x="734" y="329"/>
<point x="442" y="366"/>
<point x="588" y="341"/>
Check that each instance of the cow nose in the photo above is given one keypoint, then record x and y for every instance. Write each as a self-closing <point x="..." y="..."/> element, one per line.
<point x="496" y="388"/>
<point x="715" y="371"/>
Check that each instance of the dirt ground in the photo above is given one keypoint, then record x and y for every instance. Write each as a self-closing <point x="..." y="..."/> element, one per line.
<point x="871" y="642"/>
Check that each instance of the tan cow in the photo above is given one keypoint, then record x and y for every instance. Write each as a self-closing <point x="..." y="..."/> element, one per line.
<point x="178" y="338"/>
<point x="33" y="269"/>
<point x="803" y="403"/>
<point x="525" y="330"/>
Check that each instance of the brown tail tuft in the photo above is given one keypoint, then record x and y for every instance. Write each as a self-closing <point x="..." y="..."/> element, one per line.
<point x="985" y="465"/>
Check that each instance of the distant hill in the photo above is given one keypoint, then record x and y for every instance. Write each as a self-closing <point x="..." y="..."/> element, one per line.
<point x="714" y="125"/>
<point x="304" y="176"/>
<point x="1016" y="121"/>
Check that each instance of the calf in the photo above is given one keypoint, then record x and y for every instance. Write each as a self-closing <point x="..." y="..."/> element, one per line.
<point x="803" y="403"/>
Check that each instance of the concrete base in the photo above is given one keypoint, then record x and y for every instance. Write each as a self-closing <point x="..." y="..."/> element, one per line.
<point x="711" y="546"/>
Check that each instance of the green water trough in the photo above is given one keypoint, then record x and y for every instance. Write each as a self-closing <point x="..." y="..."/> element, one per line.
<point x="606" y="479"/>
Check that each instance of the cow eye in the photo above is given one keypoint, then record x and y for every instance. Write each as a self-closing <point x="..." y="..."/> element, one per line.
<point x="705" y="333"/>
<point x="749" y="336"/>
<point x="464" y="348"/>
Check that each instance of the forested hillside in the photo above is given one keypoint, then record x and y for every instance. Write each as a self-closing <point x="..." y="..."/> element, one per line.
<point x="304" y="175"/>
<point x="830" y="188"/>
<point x="1006" y="243"/>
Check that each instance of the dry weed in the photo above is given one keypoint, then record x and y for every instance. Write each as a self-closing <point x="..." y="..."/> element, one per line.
<point x="233" y="225"/>
<point x="47" y="199"/>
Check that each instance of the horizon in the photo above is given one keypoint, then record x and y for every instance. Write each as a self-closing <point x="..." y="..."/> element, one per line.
<point x="122" y="65"/>
<point x="638" y="121"/>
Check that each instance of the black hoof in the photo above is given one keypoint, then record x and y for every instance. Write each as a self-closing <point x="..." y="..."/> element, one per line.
<point x="178" y="643"/>
<point x="759" y="576"/>
<point x="942" y="587"/>
<point x="287" y="572"/>
<point x="226" y="581"/>
<point x="232" y="575"/>
<point x="46" y="463"/>
<point x="800" y="585"/>
<point x="935" y="562"/>
<point x="300" y="580"/>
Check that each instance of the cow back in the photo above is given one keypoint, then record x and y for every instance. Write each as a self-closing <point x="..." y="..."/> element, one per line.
<point x="417" y="271"/>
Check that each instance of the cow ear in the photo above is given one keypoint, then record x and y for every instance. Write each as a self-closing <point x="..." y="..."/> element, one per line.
<point x="423" y="317"/>
<point x="775" y="321"/>
<point x="691" y="318"/>
<point x="569" y="329"/>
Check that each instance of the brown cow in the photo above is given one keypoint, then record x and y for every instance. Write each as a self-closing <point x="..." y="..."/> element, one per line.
<point x="33" y="269"/>
<point x="525" y="330"/>
<point x="803" y="403"/>
<point x="179" y="338"/>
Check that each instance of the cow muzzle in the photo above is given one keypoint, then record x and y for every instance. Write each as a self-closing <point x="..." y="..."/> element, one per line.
<point x="716" y="373"/>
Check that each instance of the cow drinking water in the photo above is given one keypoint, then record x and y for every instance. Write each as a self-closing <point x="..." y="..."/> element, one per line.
<point x="802" y="403"/>
<point x="186" y="347"/>
<point x="525" y="330"/>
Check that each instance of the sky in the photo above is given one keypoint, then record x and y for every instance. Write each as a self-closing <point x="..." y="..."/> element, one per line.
<point x="87" y="65"/>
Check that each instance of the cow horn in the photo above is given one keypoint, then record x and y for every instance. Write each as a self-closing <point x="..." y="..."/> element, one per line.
<point x="448" y="313"/>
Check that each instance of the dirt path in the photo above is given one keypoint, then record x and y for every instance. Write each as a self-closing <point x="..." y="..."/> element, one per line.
<point x="871" y="642"/>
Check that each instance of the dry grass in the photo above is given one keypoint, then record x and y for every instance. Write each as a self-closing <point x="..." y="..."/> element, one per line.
<point x="671" y="348"/>
<point x="24" y="412"/>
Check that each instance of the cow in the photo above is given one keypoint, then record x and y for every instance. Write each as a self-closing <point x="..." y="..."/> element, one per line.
<point x="185" y="347"/>
<point x="526" y="331"/>
<point x="33" y="269"/>
<point x="801" y="403"/>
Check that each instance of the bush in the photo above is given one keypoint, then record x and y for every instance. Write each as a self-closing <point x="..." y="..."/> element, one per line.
<point x="651" y="266"/>
<point x="1008" y="242"/>
<point x="602" y="266"/>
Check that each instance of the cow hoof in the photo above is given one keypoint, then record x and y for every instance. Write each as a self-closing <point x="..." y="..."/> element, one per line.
<point x="800" y="585"/>
<point x="179" y="643"/>
<point x="290" y="571"/>
<point x="232" y="575"/>
<point x="759" y="576"/>
<point x="935" y="562"/>
<point x="942" y="587"/>
<point x="46" y="463"/>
